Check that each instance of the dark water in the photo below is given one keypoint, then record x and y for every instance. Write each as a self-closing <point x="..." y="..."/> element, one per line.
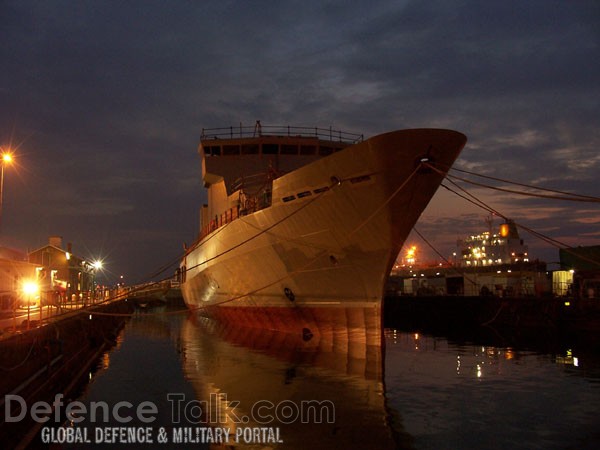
<point x="420" y="391"/>
<point x="469" y="396"/>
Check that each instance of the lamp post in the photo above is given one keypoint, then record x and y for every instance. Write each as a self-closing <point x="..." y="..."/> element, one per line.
<point x="6" y="159"/>
<point x="97" y="265"/>
<point x="30" y="291"/>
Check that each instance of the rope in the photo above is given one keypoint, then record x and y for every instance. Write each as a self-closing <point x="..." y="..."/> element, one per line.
<point x="488" y="322"/>
<point x="460" y="272"/>
<point x="178" y="258"/>
<point x="263" y="231"/>
<point x="266" y="230"/>
<point x="374" y="213"/>
<point x="564" y="195"/>
<point x="302" y="268"/>
<point x="524" y="185"/>
<point x="527" y="194"/>
<point x="9" y="369"/>
<point x="554" y="242"/>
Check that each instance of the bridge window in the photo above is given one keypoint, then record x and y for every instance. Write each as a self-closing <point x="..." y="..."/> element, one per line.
<point x="287" y="149"/>
<point x="231" y="149"/>
<point x="270" y="149"/>
<point x="213" y="150"/>
<point x="308" y="149"/>
<point x="250" y="149"/>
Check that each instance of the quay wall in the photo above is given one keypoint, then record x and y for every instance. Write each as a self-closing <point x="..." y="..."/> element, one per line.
<point x="38" y="363"/>
<point x="560" y="313"/>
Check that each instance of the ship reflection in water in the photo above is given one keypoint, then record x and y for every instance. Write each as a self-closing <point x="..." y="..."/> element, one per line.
<point x="322" y="388"/>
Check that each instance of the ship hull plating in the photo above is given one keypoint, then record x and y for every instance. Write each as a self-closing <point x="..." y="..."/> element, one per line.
<point x="332" y="233"/>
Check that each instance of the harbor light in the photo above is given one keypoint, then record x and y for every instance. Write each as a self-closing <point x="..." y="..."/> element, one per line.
<point x="411" y="255"/>
<point x="6" y="159"/>
<point x="30" y="291"/>
<point x="30" y="288"/>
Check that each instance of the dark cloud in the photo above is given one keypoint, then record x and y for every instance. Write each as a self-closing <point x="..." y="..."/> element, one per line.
<point x="105" y="102"/>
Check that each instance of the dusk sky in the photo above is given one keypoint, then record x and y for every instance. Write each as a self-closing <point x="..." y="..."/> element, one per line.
<point x="102" y="103"/>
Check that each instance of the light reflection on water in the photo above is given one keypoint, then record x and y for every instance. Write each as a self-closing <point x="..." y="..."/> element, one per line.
<point x="471" y="396"/>
<point x="419" y="391"/>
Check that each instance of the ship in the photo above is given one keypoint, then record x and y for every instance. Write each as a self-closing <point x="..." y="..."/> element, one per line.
<point x="302" y="220"/>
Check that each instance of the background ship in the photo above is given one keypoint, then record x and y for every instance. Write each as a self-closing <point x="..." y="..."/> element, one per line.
<point x="306" y="218"/>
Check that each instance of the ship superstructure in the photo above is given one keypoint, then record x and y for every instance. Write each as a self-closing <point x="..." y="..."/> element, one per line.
<point x="489" y="249"/>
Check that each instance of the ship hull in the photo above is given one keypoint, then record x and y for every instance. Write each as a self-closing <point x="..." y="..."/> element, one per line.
<point x="332" y="234"/>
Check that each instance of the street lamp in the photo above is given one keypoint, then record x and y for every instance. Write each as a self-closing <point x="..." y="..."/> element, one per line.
<point x="30" y="289"/>
<point x="6" y="159"/>
<point x="97" y="265"/>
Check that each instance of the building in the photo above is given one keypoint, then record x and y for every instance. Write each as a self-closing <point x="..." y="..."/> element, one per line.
<point x="64" y="276"/>
<point x="489" y="249"/>
<point x="523" y="279"/>
<point x="581" y="271"/>
<point x="16" y="276"/>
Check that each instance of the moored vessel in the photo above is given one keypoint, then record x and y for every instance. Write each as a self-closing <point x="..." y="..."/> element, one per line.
<point x="306" y="218"/>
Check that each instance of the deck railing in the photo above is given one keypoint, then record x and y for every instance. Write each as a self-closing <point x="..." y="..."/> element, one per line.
<point x="222" y="219"/>
<point x="258" y="130"/>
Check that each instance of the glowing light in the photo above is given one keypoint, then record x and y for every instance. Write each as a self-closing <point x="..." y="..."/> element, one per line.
<point x="97" y="265"/>
<point x="6" y="158"/>
<point x="411" y="254"/>
<point x="30" y="287"/>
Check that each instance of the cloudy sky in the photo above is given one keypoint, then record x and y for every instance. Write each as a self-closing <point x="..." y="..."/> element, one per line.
<point x="103" y="102"/>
